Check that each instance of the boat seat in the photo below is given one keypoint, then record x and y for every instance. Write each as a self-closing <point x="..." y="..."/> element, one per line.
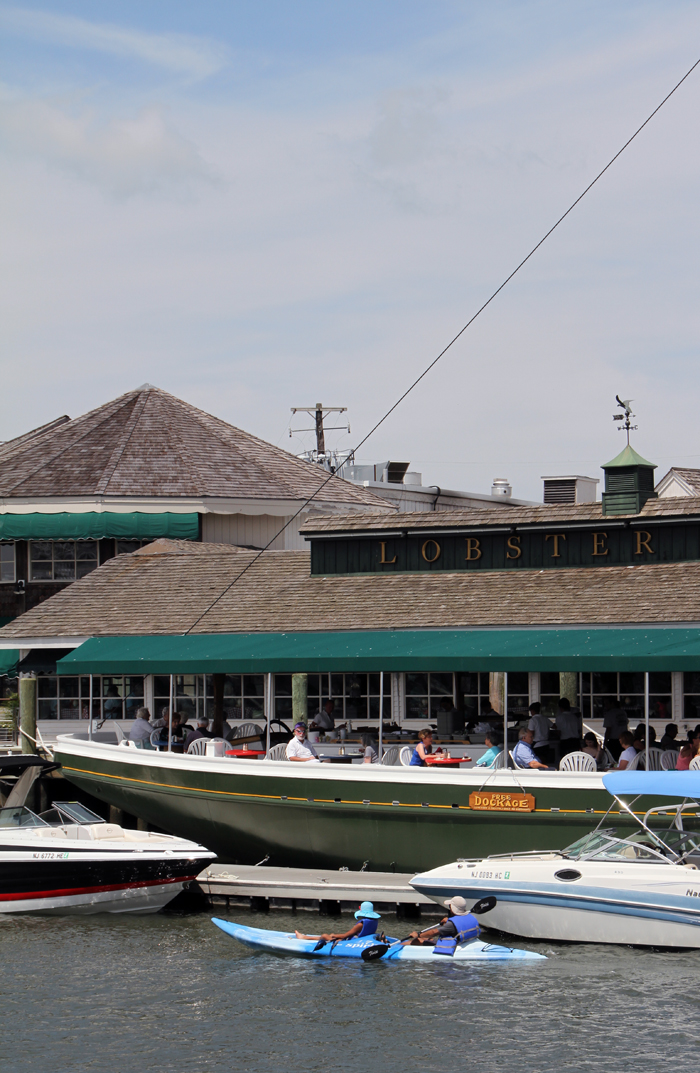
<point x="95" y="831"/>
<point x="49" y="832"/>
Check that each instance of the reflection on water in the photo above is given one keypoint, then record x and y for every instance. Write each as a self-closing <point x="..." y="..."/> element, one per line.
<point x="172" y="993"/>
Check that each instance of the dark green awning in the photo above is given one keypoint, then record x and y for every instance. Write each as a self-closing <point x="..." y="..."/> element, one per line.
<point x="94" y="525"/>
<point x="391" y="650"/>
<point x="9" y="658"/>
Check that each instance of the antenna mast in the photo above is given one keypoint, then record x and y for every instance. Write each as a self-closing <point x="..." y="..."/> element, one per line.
<point x="627" y="426"/>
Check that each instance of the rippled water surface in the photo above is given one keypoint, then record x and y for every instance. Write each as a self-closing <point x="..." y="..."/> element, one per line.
<point x="174" y="993"/>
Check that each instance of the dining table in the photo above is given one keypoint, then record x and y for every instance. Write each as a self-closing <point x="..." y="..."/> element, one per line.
<point x="246" y="754"/>
<point x="446" y="762"/>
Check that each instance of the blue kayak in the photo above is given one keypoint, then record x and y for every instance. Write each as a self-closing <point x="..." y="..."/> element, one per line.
<point x="285" y="942"/>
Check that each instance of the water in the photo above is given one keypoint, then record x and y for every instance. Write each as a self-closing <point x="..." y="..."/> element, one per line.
<point x="171" y="993"/>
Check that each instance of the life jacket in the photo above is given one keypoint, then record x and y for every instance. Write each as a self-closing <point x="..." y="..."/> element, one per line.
<point x="467" y="928"/>
<point x="369" y="927"/>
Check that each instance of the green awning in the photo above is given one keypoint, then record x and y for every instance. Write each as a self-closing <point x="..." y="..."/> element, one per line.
<point x="94" y="525"/>
<point x="9" y="658"/>
<point x="391" y="650"/>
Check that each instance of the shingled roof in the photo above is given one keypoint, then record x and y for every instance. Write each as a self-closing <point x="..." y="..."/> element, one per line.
<point x="680" y="506"/>
<point x="165" y="587"/>
<point x="149" y="443"/>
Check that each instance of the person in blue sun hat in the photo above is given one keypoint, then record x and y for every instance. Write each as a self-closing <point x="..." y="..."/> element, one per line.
<point x="366" y="925"/>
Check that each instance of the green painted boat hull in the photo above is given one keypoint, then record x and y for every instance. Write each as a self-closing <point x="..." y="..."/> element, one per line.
<point x="405" y="820"/>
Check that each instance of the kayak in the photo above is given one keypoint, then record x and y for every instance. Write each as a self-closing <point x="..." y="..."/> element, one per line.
<point x="285" y="942"/>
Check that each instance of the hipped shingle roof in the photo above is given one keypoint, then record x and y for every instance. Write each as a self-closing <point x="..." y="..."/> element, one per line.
<point x="149" y="443"/>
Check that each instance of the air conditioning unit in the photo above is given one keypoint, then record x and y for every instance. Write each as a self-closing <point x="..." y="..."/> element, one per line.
<point x="566" y="490"/>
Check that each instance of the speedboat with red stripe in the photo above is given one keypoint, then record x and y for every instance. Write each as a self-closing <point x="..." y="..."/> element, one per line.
<point x="69" y="861"/>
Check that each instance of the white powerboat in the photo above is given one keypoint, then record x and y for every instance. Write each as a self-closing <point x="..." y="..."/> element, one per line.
<point x="639" y="889"/>
<point x="68" y="860"/>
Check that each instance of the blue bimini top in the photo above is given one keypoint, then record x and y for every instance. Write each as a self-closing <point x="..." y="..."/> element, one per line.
<point x="661" y="783"/>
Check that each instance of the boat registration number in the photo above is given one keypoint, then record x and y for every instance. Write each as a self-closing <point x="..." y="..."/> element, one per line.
<point x="492" y="801"/>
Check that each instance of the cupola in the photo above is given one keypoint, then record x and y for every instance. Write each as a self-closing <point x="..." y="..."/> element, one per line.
<point x="629" y="482"/>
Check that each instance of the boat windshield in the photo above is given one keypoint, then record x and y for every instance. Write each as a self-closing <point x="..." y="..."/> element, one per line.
<point x="606" y="846"/>
<point x="69" y="812"/>
<point x="20" y="817"/>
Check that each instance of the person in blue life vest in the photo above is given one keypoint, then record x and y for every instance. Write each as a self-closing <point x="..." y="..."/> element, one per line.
<point x="423" y="748"/>
<point x="459" y="926"/>
<point x="366" y="925"/>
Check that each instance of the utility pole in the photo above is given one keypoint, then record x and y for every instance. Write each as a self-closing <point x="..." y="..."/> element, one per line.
<point x="318" y="412"/>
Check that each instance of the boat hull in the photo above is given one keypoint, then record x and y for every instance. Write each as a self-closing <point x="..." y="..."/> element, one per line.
<point x="654" y="905"/>
<point x="279" y="942"/>
<point x="303" y="815"/>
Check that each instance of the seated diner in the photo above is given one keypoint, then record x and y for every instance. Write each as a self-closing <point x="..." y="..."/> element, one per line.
<point x="299" y="747"/>
<point x="424" y="748"/>
<point x="523" y="753"/>
<point x="494" y="748"/>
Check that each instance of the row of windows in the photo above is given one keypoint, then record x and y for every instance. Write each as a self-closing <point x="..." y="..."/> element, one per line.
<point x="356" y="696"/>
<point x="61" y="560"/>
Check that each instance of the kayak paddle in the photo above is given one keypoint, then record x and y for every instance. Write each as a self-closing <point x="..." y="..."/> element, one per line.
<point x="373" y="953"/>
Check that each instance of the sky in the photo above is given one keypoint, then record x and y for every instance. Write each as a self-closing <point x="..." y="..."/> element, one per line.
<point x="260" y="206"/>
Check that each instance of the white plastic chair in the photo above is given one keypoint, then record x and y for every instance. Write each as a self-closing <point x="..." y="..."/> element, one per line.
<point x="278" y="752"/>
<point x="635" y="762"/>
<point x="669" y="760"/>
<point x="655" y="758"/>
<point x="247" y="730"/>
<point x="695" y="764"/>
<point x="198" y="746"/>
<point x="405" y="755"/>
<point x="391" y="757"/>
<point x="119" y="732"/>
<point x="578" y="761"/>
<point x="499" y="761"/>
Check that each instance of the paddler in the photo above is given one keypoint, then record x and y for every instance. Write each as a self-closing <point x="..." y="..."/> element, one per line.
<point x="455" y="928"/>
<point x="366" y="925"/>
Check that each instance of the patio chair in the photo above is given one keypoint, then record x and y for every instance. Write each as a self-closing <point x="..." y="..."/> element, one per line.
<point x="198" y="747"/>
<point x="119" y="732"/>
<point x="655" y="758"/>
<point x="405" y="754"/>
<point x="669" y="760"/>
<point x="635" y="762"/>
<point x="500" y="761"/>
<point x="578" y="761"/>
<point x="277" y="752"/>
<point x="695" y="764"/>
<point x="391" y="756"/>
<point x="247" y="730"/>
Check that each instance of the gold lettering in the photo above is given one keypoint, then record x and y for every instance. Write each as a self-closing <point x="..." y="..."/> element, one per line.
<point x="643" y="543"/>
<point x="514" y="545"/>
<point x="473" y="549"/>
<point x="424" y="551"/>
<point x="598" y="545"/>
<point x="384" y="560"/>
<point x="555" y="537"/>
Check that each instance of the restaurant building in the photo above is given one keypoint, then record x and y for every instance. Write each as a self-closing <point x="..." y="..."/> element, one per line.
<point x="582" y="599"/>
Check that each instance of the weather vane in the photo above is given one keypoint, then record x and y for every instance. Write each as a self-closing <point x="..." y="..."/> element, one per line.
<point x="627" y="426"/>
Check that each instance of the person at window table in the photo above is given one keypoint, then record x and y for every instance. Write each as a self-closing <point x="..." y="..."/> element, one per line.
<point x="202" y="731"/>
<point x="371" y="756"/>
<point x="494" y="748"/>
<point x="113" y="704"/>
<point x="323" y="719"/>
<point x="299" y="748"/>
<point x="541" y="727"/>
<point x="629" y="752"/>
<point x="523" y="753"/>
<point x="669" y="739"/>
<point x="592" y="746"/>
<point x="141" y="728"/>
<point x="424" y="749"/>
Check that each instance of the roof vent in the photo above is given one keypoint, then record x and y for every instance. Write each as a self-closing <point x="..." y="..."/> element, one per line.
<point x="566" y="490"/>
<point x="501" y="488"/>
<point x="147" y="387"/>
<point x="629" y="483"/>
<point x="394" y="472"/>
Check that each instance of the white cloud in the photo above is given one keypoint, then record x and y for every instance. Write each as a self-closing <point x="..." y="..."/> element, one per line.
<point x="124" y="156"/>
<point x="175" y="52"/>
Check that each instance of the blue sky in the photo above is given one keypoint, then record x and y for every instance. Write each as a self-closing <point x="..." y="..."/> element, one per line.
<point x="257" y="206"/>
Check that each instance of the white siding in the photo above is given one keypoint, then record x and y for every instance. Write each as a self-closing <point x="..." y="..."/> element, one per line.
<point x="251" y="530"/>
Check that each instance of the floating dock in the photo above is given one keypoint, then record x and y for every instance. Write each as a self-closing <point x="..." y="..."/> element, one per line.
<point x="313" y="890"/>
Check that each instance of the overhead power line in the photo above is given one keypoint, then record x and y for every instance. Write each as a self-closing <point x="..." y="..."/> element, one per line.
<point x="452" y="341"/>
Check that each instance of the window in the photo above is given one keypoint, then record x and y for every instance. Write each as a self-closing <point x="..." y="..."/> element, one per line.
<point x="425" y="692"/>
<point x="188" y="695"/>
<point x="625" y="690"/>
<point x="68" y="696"/>
<point x="474" y="688"/>
<point x="7" y="562"/>
<point x="62" y="560"/>
<point x="124" y="547"/>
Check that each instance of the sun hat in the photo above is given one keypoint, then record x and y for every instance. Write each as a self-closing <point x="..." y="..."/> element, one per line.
<point x="457" y="905"/>
<point x="367" y="910"/>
